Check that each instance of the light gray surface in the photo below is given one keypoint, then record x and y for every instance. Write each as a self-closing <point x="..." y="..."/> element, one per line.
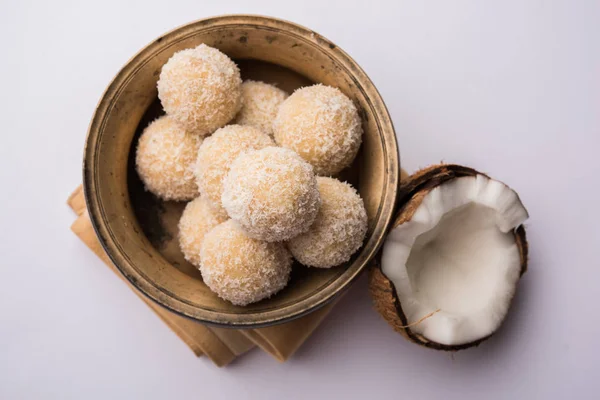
<point x="512" y="89"/>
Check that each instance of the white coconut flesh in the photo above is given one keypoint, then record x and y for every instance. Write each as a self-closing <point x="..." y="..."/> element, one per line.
<point x="457" y="255"/>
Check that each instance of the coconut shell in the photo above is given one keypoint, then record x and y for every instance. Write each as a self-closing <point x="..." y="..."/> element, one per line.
<point x="411" y="194"/>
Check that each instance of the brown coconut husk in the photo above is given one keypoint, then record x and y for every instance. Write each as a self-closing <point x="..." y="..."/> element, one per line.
<point x="412" y="192"/>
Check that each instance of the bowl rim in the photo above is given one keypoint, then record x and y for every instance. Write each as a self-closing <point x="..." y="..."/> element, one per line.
<point x="259" y="318"/>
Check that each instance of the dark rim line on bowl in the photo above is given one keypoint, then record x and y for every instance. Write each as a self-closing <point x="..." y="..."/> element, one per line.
<point x="298" y="308"/>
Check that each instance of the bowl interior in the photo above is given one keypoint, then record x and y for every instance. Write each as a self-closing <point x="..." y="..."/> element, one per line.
<point x="139" y="231"/>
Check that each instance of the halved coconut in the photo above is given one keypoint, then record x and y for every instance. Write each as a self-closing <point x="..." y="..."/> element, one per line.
<point x="451" y="263"/>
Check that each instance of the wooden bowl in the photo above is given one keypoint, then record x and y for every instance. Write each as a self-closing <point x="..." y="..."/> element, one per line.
<point x="138" y="231"/>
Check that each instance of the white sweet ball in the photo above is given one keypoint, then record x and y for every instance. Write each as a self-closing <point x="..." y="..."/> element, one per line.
<point x="272" y="193"/>
<point x="338" y="231"/>
<point x="165" y="158"/>
<point x="195" y="222"/>
<point x="240" y="269"/>
<point x="200" y="88"/>
<point x="260" y="103"/>
<point x="322" y="125"/>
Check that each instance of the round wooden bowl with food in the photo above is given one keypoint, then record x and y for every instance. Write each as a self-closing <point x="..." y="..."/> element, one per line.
<point x="139" y="231"/>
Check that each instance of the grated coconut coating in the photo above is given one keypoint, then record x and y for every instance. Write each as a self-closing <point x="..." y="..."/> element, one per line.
<point x="240" y="269"/>
<point x="216" y="155"/>
<point x="200" y="88"/>
<point x="272" y="193"/>
<point x="338" y="231"/>
<point x="165" y="159"/>
<point x="260" y="103"/>
<point x="196" y="221"/>
<point x="322" y="125"/>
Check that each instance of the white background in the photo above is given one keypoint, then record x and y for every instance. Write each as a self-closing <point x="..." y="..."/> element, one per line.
<point x="509" y="87"/>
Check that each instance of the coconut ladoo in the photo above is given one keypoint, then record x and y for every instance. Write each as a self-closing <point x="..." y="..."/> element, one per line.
<point x="451" y="263"/>
<point x="165" y="158"/>
<point x="260" y="103"/>
<point x="338" y="230"/>
<point x="322" y="125"/>
<point x="240" y="269"/>
<point x="196" y="221"/>
<point x="272" y="194"/>
<point x="200" y="88"/>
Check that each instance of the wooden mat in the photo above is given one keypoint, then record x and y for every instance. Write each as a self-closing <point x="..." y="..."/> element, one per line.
<point x="221" y="345"/>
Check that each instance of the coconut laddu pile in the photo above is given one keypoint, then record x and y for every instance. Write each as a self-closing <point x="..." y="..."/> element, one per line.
<point x="254" y="165"/>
